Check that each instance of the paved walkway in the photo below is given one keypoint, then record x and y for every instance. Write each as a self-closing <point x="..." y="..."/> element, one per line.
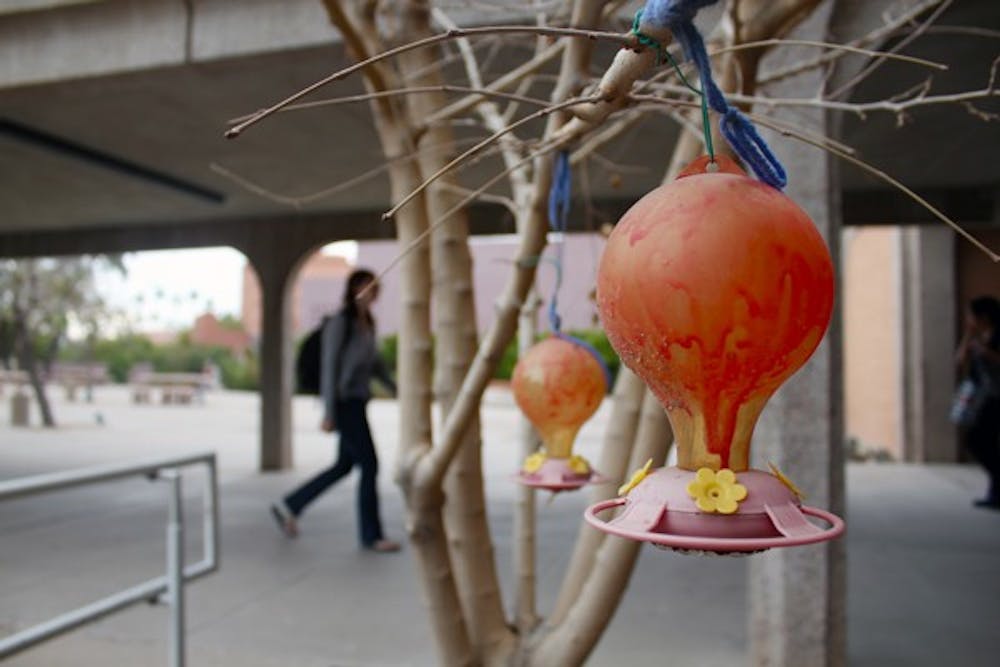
<point x="924" y="568"/>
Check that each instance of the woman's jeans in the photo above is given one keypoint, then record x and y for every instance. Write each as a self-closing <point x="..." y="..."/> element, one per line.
<point x="983" y="442"/>
<point x="356" y="448"/>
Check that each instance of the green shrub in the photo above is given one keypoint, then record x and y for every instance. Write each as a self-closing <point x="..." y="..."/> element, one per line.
<point x="389" y="349"/>
<point x="599" y="341"/>
<point x="118" y="354"/>
<point x="121" y="354"/>
<point x="240" y="373"/>
<point x="505" y="369"/>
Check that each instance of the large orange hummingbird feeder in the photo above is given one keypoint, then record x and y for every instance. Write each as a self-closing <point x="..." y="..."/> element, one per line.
<point x="558" y="385"/>
<point x="714" y="289"/>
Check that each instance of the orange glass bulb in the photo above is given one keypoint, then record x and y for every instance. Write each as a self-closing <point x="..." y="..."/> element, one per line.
<point x="558" y="385"/>
<point x="714" y="289"/>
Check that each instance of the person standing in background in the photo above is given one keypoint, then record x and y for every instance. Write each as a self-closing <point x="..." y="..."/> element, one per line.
<point x="349" y="361"/>
<point x="977" y="407"/>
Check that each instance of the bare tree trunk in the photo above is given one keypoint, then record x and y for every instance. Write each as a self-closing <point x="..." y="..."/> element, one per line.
<point x="616" y="450"/>
<point x="29" y="364"/>
<point x="575" y="637"/>
<point x="469" y="540"/>
<point x="525" y="611"/>
<point x="424" y="502"/>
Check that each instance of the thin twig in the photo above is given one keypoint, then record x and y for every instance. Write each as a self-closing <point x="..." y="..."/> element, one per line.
<point x="828" y="45"/>
<point x="626" y="39"/>
<point x="784" y="130"/>
<point x="610" y="165"/>
<point x="974" y="31"/>
<point x="298" y="202"/>
<point x="661" y="101"/>
<point x="994" y="257"/>
<point x="506" y="202"/>
<point x="829" y="146"/>
<point x="443" y="63"/>
<point x="872" y="37"/>
<point x="864" y="73"/>
<point x="424" y="235"/>
<point x="416" y="90"/>
<point x="860" y="109"/>
<point x="484" y="143"/>
<point x="514" y="76"/>
<point x="488" y="110"/>
<point x="609" y="132"/>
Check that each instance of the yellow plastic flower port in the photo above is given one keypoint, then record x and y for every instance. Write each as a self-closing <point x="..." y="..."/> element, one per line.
<point x="787" y="482"/>
<point x="579" y="465"/>
<point x="716" y="491"/>
<point x="637" y="477"/>
<point x="533" y="462"/>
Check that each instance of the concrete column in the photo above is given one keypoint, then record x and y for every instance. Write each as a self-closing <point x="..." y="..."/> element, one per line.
<point x="275" y="364"/>
<point x="928" y="343"/>
<point x="797" y="595"/>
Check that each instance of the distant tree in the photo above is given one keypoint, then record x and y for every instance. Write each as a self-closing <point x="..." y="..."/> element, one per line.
<point x="231" y="322"/>
<point x="40" y="299"/>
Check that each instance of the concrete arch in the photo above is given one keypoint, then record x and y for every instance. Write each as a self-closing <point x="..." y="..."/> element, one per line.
<point x="277" y="262"/>
<point x="275" y="247"/>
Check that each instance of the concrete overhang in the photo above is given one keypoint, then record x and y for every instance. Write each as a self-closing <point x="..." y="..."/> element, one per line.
<point x="112" y="115"/>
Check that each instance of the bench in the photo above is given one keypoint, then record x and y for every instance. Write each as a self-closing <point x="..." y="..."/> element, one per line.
<point x="73" y="376"/>
<point x="174" y="388"/>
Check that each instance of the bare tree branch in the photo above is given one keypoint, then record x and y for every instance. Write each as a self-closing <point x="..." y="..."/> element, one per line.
<point x="770" y="43"/>
<point x="413" y="90"/>
<point x="864" y="73"/>
<point x="490" y="113"/>
<point x="785" y="130"/>
<point x="481" y="145"/>
<point x="874" y="37"/>
<point x="625" y="40"/>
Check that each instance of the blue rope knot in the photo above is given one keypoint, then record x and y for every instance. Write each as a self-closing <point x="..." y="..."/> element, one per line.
<point x="650" y="42"/>
<point x="736" y="128"/>
<point x="668" y="13"/>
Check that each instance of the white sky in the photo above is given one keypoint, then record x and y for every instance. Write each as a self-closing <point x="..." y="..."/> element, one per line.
<point x="167" y="289"/>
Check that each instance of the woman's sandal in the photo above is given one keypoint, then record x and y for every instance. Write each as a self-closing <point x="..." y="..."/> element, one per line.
<point x="285" y="519"/>
<point x="384" y="546"/>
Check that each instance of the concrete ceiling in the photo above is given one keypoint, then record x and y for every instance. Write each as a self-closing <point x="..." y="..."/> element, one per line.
<point x="943" y="145"/>
<point x="169" y="121"/>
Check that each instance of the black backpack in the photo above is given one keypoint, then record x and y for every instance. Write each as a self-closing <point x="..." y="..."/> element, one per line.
<point x="307" y="363"/>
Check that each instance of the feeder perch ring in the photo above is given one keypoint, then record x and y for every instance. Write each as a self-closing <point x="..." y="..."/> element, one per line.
<point x="717" y="544"/>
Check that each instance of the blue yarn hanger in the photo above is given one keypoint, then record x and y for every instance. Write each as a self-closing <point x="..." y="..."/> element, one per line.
<point x="560" y="197"/>
<point x="678" y="16"/>
<point x="559" y="204"/>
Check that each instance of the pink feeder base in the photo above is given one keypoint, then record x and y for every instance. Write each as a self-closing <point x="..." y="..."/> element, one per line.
<point x="555" y="475"/>
<point x="660" y="511"/>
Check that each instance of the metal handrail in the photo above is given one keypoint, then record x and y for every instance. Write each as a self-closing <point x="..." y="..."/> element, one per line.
<point x="168" y="588"/>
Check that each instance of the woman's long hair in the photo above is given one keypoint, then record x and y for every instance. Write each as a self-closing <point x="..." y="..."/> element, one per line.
<point x="358" y="279"/>
<point x="988" y="308"/>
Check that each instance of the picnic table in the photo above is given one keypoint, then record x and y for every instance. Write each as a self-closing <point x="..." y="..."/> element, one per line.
<point x="177" y="388"/>
<point x="73" y="376"/>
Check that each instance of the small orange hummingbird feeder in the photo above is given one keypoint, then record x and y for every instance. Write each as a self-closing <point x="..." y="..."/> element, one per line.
<point x="558" y="385"/>
<point x="715" y="289"/>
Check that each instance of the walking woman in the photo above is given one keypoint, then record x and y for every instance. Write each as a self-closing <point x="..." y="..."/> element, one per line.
<point x="348" y="362"/>
<point x="978" y="411"/>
